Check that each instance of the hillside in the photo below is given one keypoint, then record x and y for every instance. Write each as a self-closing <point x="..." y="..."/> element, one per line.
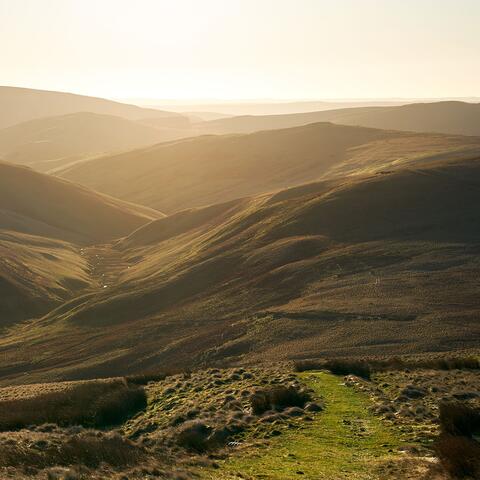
<point x="212" y="169"/>
<point x="52" y="142"/>
<point x="380" y="263"/>
<point x="23" y="104"/>
<point x="458" y="118"/>
<point x="41" y="205"/>
<point x="37" y="274"/>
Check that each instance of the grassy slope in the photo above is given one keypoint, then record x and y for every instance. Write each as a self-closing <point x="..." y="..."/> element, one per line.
<point x="210" y="169"/>
<point x="37" y="274"/>
<point x="320" y="269"/>
<point x="38" y="204"/>
<point x="346" y="441"/>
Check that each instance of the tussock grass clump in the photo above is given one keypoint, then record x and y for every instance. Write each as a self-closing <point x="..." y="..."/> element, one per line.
<point x="349" y="367"/>
<point x="364" y="367"/>
<point x="278" y="398"/>
<point x="91" y="404"/>
<point x="459" y="419"/>
<point x="194" y="435"/>
<point x="460" y="456"/>
<point x="308" y="365"/>
<point x="88" y="448"/>
<point x="359" y="368"/>
<point x="456" y="447"/>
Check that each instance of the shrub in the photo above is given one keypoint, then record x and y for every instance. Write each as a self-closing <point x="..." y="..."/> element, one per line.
<point x="92" y="450"/>
<point x="460" y="456"/>
<point x="458" y="418"/>
<point x="93" y="404"/>
<point x="307" y="365"/>
<point x="349" y="367"/>
<point x="194" y="435"/>
<point x="87" y="448"/>
<point x="337" y="366"/>
<point x="278" y="398"/>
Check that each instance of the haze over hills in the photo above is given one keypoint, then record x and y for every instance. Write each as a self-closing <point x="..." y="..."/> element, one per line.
<point x="271" y="107"/>
<point x="211" y="169"/>
<point x="451" y="117"/>
<point x="52" y="142"/>
<point x="360" y="265"/>
<point x="23" y="104"/>
<point x="42" y="205"/>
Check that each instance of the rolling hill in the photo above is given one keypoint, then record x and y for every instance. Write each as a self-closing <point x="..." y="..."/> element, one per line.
<point x="368" y="264"/>
<point x="37" y="274"/>
<point x="211" y="169"/>
<point x="452" y="117"/>
<point x="38" y="204"/>
<point x="23" y="104"/>
<point x="52" y="142"/>
<point x="46" y="227"/>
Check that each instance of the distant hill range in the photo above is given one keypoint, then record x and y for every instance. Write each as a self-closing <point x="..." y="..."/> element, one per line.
<point x="23" y="104"/>
<point x="453" y="117"/>
<point x="52" y="142"/>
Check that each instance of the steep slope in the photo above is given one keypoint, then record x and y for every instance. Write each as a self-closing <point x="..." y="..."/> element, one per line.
<point x="37" y="274"/>
<point x="52" y="142"/>
<point x="457" y="118"/>
<point x="23" y="104"/>
<point x="41" y="205"/>
<point x="210" y="169"/>
<point x="382" y="263"/>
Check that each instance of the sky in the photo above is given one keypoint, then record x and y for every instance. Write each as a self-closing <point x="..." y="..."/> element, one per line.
<point x="243" y="49"/>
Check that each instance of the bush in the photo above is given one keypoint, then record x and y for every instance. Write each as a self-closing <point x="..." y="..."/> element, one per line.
<point x="458" y="418"/>
<point x="338" y="367"/>
<point x="92" y="404"/>
<point x="194" y="435"/>
<point x="460" y="456"/>
<point x="87" y="448"/>
<point x="278" y="398"/>
<point x="349" y="367"/>
<point x="92" y="450"/>
<point x="308" y="365"/>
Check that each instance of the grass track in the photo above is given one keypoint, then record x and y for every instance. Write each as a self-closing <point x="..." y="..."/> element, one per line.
<point x="343" y="442"/>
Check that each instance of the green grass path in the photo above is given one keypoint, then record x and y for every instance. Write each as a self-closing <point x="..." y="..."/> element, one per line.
<point x="343" y="442"/>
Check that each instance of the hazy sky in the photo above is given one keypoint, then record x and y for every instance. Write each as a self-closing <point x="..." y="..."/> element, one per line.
<point x="206" y="49"/>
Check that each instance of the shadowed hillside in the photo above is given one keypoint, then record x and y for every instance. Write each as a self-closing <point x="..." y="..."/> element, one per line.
<point x="38" y="204"/>
<point x="51" y="142"/>
<point x="457" y="118"/>
<point x="211" y="169"/>
<point x="380" y="263"/>
<point x="23" y="104"/>
<point x="37" y="274"/>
